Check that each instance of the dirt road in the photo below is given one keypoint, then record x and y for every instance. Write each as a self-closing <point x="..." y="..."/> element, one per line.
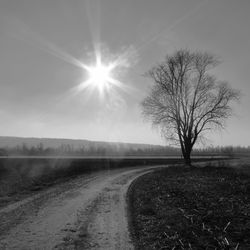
<point x="88" y="212"/>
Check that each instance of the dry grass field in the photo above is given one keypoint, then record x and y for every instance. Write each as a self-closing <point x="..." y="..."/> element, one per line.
<point x="199" y="208"/>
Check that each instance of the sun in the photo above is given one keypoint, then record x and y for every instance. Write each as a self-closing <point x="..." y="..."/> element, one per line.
<point x="103" y="75"/>
<point x="100" y="75"/>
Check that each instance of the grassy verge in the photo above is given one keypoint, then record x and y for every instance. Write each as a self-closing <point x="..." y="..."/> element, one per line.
<point x="200" y="208"/>
<point x="21" y="176"/>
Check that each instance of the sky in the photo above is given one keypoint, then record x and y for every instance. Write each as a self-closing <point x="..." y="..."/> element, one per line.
<point x="44" y="43"/>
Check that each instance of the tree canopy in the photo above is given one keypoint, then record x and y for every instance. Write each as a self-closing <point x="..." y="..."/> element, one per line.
<point x="186" y="99"/>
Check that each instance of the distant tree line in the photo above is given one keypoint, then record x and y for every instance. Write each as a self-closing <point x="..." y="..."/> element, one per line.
<point x="225" y="150"/>
<point x="97" y="150"/>
<point x="112" y="150"/>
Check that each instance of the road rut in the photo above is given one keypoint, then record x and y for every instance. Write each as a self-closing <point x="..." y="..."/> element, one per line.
<point x="88" y="212"/>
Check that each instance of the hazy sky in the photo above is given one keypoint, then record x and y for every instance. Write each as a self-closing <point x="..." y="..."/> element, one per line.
<point x="41" y="41"/>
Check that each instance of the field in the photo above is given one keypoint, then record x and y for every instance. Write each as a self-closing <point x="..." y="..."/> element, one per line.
<point x="21" y="175"/>
<point x="81" y="202"/>
<point x="199" y="208"/>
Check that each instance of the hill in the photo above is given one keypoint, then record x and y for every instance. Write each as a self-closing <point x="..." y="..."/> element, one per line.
<point x="52" y="146"/>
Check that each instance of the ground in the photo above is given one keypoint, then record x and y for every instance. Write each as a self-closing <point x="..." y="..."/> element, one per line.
<point x="86" y="212"/>
<point x="198" y="208"/>
<point x="90" y="211"/>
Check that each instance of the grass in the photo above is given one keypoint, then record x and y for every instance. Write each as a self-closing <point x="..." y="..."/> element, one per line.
<point x="200" y="208"/>
<point x="21" y="176"/>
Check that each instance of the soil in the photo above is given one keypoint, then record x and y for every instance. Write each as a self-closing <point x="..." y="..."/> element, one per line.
<point x="88" y="212"/>
<point x="197" y="208"/>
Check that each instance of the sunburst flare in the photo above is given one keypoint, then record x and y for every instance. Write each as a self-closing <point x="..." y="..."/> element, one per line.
<point x="101" y="75"/>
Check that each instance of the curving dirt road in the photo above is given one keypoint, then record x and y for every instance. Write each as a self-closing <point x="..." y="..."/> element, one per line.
<point x="88" y="212"/>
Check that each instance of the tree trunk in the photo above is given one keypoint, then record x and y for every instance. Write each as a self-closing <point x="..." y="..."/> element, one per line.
<point x="187" y="160"/>
<point x="187" y="155"/>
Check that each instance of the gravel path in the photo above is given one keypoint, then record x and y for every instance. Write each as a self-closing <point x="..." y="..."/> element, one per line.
<point x="88" y="212"/>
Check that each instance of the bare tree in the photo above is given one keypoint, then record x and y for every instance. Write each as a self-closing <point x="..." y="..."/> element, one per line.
<point x="186" y="100"/>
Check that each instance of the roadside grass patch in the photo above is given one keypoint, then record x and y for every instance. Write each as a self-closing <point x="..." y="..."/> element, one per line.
<point x="199" y="208"/>
<point x="19" y="177"/>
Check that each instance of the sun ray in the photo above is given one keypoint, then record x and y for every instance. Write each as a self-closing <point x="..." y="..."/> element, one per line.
<point x="33" y="38"/>
<point x="101" y="75"/>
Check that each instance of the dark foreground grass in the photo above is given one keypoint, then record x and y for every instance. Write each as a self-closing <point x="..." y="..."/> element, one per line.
<point x="20" y="176"/>
<point x="200" y="208"/>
